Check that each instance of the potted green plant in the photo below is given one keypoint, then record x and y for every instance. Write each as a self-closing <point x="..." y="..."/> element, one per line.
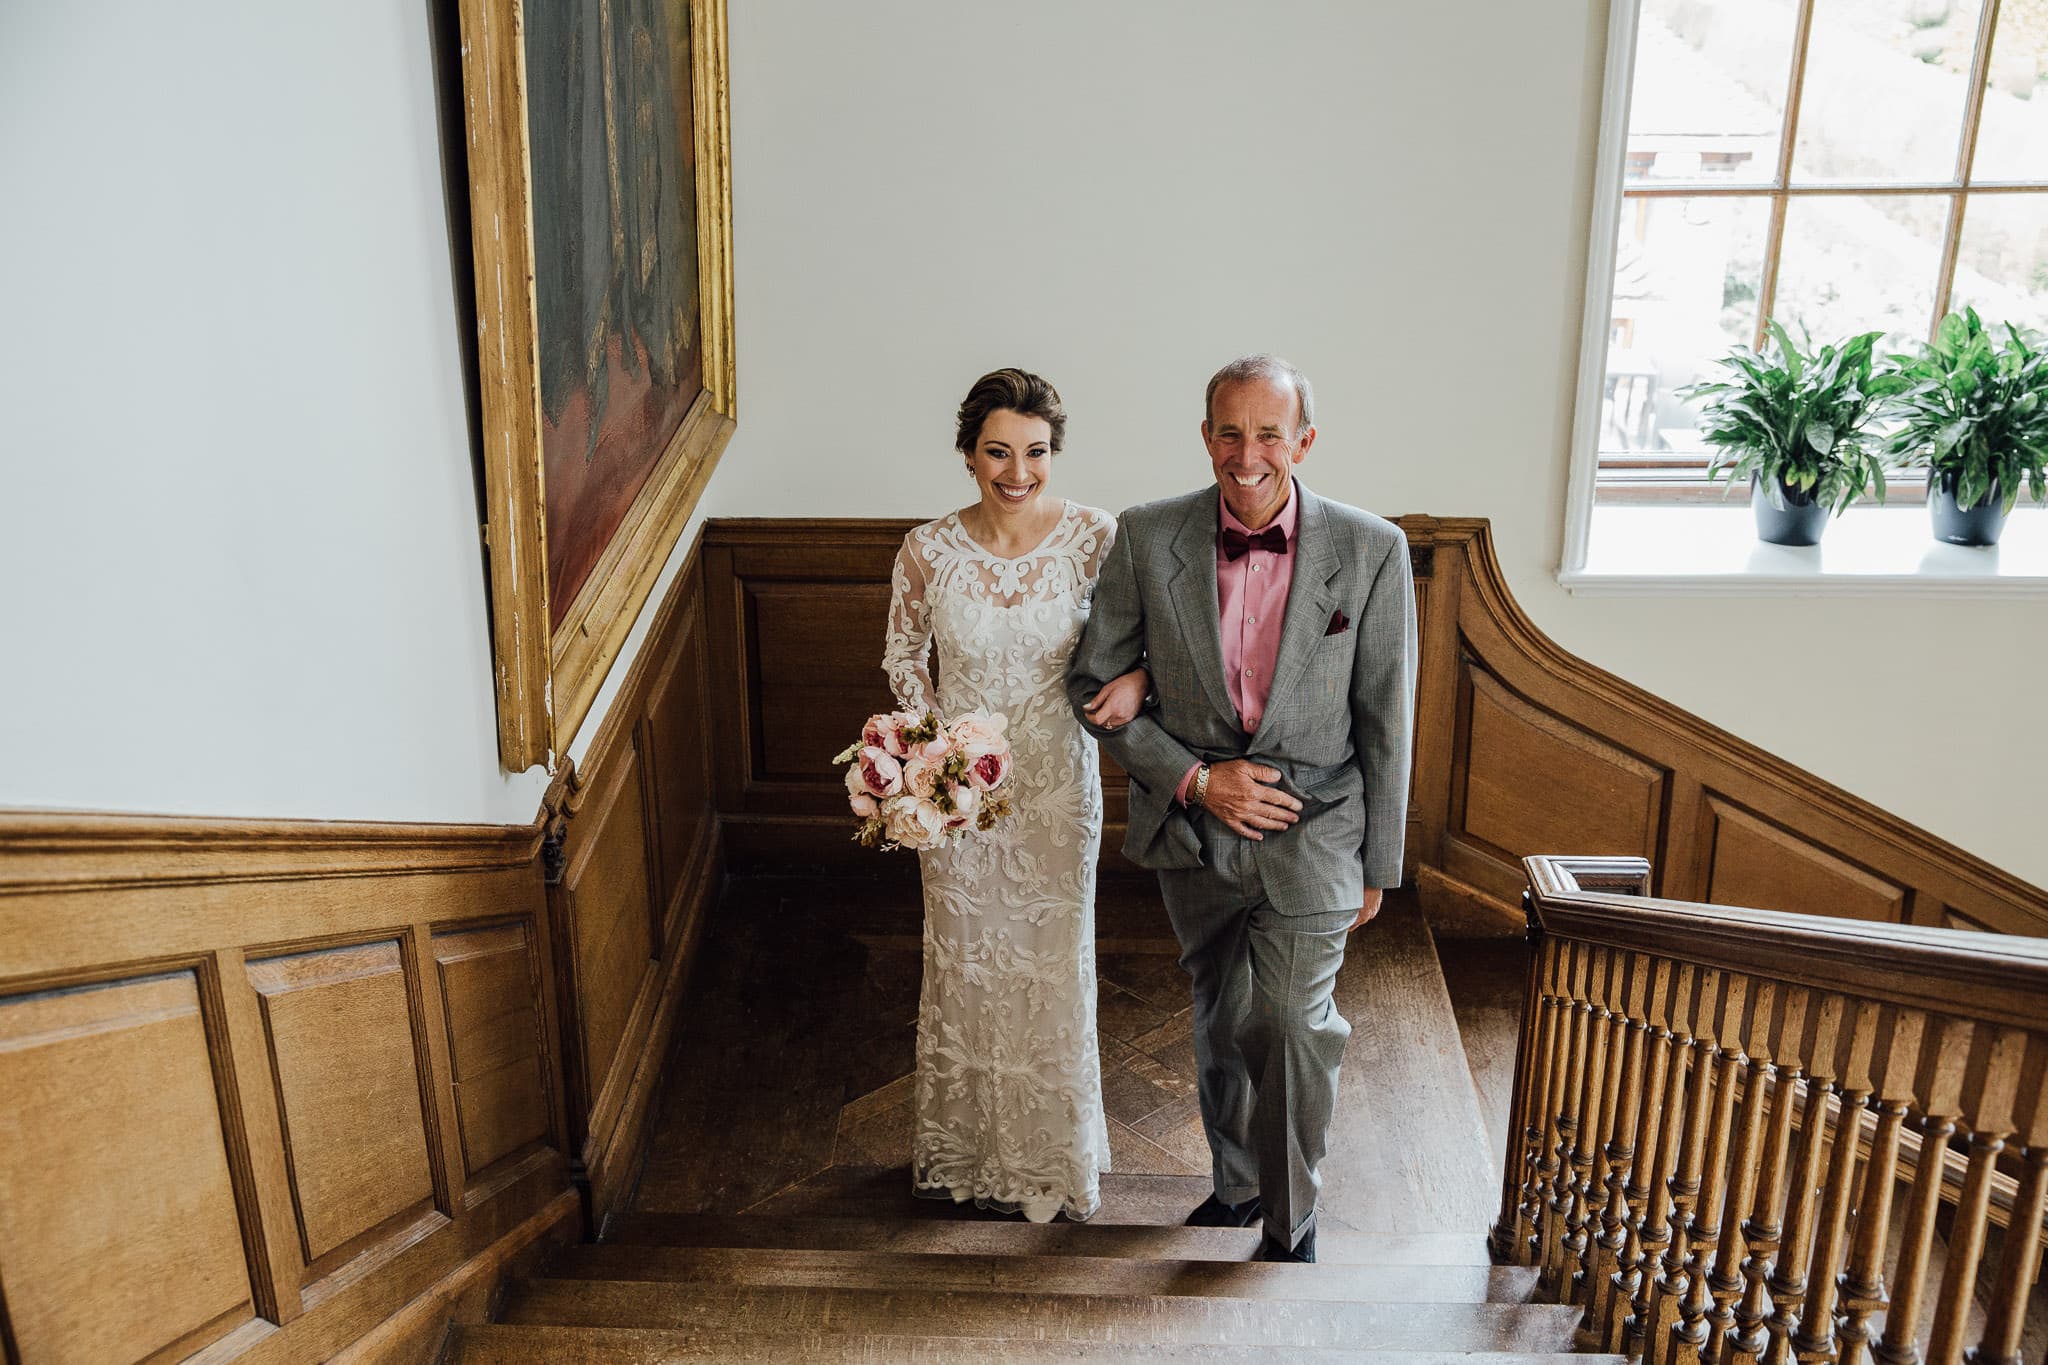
<point x="1975" y="412"/>
<point x="1796" y="423"/>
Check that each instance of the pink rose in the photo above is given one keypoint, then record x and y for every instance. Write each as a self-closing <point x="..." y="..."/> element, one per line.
<point x="878" y="773"/>
<point x="990" y="769"/>
<point x="911" y="822"/>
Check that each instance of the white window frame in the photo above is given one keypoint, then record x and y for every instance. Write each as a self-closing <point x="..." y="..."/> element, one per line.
<point x="1909" y="571"/>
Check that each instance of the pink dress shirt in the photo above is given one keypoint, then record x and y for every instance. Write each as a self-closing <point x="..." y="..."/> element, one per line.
<point x="1251" y="601"/>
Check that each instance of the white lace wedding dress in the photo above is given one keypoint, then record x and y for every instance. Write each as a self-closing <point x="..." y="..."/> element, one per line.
<point x="1009" y="1087"/>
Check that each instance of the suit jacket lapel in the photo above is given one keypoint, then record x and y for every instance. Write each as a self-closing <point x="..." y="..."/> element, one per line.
<point x="1309" y="599"/>
<point x="1193" y="594"/>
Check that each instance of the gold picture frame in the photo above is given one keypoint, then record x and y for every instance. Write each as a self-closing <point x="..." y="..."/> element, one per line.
<point x="550" y="658"/>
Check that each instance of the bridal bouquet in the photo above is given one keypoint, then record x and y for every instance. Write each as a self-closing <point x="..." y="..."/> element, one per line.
<point x="916" y="782"/>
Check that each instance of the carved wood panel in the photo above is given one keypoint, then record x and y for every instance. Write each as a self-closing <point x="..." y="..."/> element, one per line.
<point x="817" y="650"/>
<point x="1527" y="780"/>
<point x="610" y="927"/>
<point x="1753" y="862"/>
<point x="344" y="1055"/>
<point x="118" y="1230"/>
<point x="490" y="998"/>
<point x="674" y="744"/>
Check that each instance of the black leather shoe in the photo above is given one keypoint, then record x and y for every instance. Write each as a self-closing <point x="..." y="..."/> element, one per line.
<point x="1304" y="1251"/>
<point x="1214" y="1213"/>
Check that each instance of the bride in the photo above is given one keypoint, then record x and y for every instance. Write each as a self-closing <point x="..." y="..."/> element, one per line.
<point x="1009" y="1089"/>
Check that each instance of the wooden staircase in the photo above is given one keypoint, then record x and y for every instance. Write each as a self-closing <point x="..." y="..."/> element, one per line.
<point x="868" y="1286"/>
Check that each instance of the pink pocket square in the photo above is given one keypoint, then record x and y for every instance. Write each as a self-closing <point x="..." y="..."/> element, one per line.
<point x="1339" y="623"/>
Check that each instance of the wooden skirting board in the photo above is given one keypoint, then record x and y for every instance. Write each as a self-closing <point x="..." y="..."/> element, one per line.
<point x="279" y="1090"/>
<point x="1521" y="749"/>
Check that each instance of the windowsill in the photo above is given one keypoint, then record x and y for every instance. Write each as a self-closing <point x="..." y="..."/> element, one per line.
<point x="1713" y="551"/>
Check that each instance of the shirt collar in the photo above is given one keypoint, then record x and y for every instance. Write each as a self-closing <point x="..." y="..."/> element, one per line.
<point x="1289" y="511"/>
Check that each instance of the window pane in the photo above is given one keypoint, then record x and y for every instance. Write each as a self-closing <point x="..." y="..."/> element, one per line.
<point x="1885" y="87"/>
<point x="1686" y="277"/>
<point x="2012" y="141"/>
<point x="1856" y="264"/>
<point x="1709" y="96"/>
<point x="2002" y="265"/>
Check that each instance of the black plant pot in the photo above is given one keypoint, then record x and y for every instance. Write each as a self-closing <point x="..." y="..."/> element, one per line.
<point x="1800" y="523"/>
<point x="1979" y="525"/>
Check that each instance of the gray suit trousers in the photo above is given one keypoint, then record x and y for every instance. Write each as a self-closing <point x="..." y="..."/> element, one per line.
<point x="1268" y="1038"/>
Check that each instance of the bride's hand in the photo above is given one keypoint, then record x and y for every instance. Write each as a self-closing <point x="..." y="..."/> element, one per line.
<point x="1120" y="700"/>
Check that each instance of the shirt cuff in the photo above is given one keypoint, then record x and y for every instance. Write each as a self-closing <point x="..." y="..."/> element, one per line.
<point x="1187" y="781"/>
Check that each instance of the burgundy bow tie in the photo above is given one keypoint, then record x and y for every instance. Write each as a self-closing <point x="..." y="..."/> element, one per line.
<point x="1272" y="540"/>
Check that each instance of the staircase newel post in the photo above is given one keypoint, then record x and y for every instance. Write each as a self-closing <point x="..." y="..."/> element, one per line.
<point x="1509" y="1237"/>
<point x="1601" y="1313"/>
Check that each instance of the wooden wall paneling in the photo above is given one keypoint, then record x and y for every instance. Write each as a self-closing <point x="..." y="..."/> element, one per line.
<point x="488" y="983"/>
<point x="674" y="744"/>
<point x="119" y="1234"/>
<point x="1751" y="860"/>
<point x="351" y="1089"/>
<point x="1678" y="870"/>
<point x="269" y="1222"/>
<point x="608" y="927"/>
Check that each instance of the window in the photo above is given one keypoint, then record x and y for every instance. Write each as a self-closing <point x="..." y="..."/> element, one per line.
<point x="1842" y="165"/>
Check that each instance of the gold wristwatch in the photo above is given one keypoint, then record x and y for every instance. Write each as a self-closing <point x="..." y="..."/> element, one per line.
<point x="1198" y="795"/>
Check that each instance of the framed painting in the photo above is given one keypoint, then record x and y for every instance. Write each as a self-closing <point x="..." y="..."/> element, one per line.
<point x="601" y="226"/>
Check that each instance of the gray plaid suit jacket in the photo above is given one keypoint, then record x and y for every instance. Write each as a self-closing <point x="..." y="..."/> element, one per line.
<point x="1339" y="719"/>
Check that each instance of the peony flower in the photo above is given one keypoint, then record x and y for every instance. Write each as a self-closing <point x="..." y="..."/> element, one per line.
<point x="990" y="769"/>
<point x="912" y="822"/>
<point x="966" y="801"/>
<point x="979" y="732"/>
<point x="864" y="805"/>
<point x="937" y="749"/>
<point x="921" y="777"/>
<point x="879" y="774"/>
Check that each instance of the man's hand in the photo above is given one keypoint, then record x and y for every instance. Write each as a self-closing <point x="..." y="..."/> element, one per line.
<point x="1373" y="897"/>
<point x="1240" y="795"/>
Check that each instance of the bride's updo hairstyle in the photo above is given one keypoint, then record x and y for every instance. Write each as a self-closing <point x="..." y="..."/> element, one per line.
<point x="1013" y="390"/>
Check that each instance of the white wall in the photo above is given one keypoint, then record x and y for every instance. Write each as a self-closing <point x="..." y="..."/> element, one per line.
<point x="236" y="516"/>
<point x="237" y="519"/>
<point x="1396" y="196"/>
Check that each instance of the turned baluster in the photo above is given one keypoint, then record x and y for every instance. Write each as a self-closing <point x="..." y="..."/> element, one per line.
<point x="1861" y="1288"/>
<point x="1508" y="1235"/>
<point x="1657" y="1050"/>
<point x="1815" y="1339"/>
<point x="1788" y="1280"/>
<point x="1657" y="1228"/>
<point x="1552" y="1281"/>
<point x="1724" y="1280"/>
<point x="2019" y="1260"/>
<point x="1596" y="1117"/>
<point x="1713" y="1210"/>
<point x="1669" y="1289"/>
<point x="1620" y="1153"/>
<point x="1988" y="1097"/>
<point x="1764" y="1230"/>
<point x="1537" y="1131"/>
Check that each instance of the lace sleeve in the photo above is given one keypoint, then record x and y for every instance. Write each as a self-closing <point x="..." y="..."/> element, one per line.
<point x="1100" y="535"/>
<point x="906" y="650"/>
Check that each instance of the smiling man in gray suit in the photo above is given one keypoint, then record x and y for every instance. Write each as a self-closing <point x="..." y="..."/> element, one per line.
<point x="1269" y="785"/>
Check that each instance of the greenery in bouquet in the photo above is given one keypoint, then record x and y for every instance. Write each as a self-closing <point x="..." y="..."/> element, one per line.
<point x="1798" y="419"/>
<point x="916" y="781"/>
<point x="1975" y="408"/>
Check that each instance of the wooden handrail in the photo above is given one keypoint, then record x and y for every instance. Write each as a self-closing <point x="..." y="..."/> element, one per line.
<point x="1715" y="1107"/>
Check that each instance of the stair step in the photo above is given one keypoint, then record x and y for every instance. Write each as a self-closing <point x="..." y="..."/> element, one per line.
<point x="1014" y="1237"/>
<point x="1091" y="1275"/>
<point x="884" y="1192"/>
<point x="744" y="1310"/>
<point x="499" y="1344"/>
